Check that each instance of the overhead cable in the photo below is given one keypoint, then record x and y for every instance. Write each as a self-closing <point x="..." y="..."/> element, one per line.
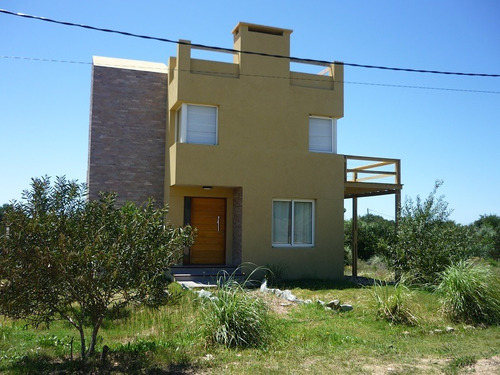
<point x="269" y="76"/>
<point x="230" y="50"/>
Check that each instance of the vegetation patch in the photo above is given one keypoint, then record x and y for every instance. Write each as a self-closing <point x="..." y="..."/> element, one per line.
<point x="233" y="317"/>
<point x="470" y="292"/>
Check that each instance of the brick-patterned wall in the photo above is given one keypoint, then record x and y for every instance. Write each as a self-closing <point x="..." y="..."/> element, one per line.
<point x="237" y="225"/>
<point x="127" y="134"/>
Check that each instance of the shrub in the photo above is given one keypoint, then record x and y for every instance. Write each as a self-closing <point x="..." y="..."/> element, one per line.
<point x="427" y="241"/>
<point x="392" y="303"/>
<point x="374" y="235"/>
<point x="488" y="231"/>
<point x="470" y="293"/>
<point x="234" y="317"/>
<point x="65" y="257"/>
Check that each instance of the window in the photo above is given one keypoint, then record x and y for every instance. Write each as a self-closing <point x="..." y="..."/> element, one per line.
<point x="293" y="223"/>
<point x="197" y="124"/>
<point x="322" y="134"/>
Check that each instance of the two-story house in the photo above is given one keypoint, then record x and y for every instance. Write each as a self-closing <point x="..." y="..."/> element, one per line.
<point x="246" y="151"/>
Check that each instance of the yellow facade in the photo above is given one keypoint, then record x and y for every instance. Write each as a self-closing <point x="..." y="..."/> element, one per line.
<point x="262" y="148"/>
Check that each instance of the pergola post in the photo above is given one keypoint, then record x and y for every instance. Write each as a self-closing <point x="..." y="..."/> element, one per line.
<point x="397" y="213"/>
<point x="354" y="245"/>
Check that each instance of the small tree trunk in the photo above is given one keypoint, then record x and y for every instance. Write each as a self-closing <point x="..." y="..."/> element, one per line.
<point x="93" y="339"/>
<point x="82" y="342"/>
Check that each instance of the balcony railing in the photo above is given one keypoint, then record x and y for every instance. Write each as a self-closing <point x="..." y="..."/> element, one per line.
<point x="371" y="169"/>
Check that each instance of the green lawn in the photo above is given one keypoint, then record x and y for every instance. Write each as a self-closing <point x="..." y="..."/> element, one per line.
<point x="307" y="338"/>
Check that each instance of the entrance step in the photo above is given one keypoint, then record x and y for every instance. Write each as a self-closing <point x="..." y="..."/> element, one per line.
<point x="200" y="276"/>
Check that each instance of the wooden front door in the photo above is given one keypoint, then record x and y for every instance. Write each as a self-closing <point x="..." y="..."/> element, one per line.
<point x="208" y="216"/>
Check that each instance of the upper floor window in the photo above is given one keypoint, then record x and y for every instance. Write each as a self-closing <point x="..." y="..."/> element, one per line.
<point x="197" y="124"/>
<point x="322" y="134"/>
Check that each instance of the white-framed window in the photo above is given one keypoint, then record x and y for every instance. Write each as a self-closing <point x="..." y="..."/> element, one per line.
<point x="197" y="124"/>
<point x="322" y="134"/>
<point x="293" y="223"/>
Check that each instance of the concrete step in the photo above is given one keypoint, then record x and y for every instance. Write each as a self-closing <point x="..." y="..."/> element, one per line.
<point x="205" y="274"/>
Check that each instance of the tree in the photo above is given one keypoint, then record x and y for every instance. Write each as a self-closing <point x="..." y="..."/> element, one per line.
<point x="3" y="209"/>
<point x="65" y="257"/>
<point x="374" y="235"/>
<point x="427" y="241"/>
<point x="488" y="230"/>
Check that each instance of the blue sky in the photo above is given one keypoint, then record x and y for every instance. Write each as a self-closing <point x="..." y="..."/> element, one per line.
<point x="437" y="134"/>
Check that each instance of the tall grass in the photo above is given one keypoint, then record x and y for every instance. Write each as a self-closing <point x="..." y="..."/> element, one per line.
<point x="470" y="293"/>
<point x="234" y="317"/>
<point x="393" y="303"/>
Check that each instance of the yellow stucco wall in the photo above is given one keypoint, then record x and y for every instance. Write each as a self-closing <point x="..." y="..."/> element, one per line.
<point x="263" y="141"/>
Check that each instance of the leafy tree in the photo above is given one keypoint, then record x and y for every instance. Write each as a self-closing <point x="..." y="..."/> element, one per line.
<point x="3" y="208"/>
<point x="374" y="235"/>
<point x="427" y="241"/>
<point x="488" y="230"/>
<point x="69" y="258"/>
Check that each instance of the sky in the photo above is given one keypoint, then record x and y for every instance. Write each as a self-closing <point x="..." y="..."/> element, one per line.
<point x="447" y="129"/>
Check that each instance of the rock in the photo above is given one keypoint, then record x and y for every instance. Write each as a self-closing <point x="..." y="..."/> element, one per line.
<point x="438" y="331"/>
<point x="206" y="294"/>
<point x="308" y="301"/>
<point x="335" y="304"/>
<point x="287" y="294"/>
<point x="449" y="329"/>
<point x="406" y="333"/>
<point x="346" y="307"/>
<point x="320" y="302"/>
<point x="263" y="286"/>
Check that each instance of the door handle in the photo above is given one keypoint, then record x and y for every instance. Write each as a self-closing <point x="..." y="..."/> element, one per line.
<point x="218" y="223"/>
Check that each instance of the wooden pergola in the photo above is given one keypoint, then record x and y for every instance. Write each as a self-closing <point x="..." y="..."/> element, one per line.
<point x="368" y="177"/>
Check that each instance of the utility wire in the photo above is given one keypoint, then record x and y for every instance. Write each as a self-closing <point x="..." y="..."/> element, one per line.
<point x="266" y="76"/>
<point x="230" y="50"/>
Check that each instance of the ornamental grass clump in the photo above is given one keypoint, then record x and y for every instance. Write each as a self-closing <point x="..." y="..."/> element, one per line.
<point x="233" y="317"/>
<point x="470" y="293"/>
<point x="392" y="303"/>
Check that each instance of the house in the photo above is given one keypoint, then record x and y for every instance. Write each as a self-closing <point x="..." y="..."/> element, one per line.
<point x="245" y="151"/>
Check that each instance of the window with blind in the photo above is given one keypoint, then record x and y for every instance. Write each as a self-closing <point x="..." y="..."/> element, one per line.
<point x="322" y="134"/>
<point x="197" y="124"/>
<point x="293" y="223"/>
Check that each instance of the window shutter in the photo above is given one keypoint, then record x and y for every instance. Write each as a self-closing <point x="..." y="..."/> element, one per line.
<point x="201" y="124"/>
<point x="322" y="134"/>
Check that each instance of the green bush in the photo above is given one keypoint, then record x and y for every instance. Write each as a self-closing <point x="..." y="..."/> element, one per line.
<point x="392" y="303"/>
<point x="234" y="317"/>
<point x="470" y="293"/>
<point x="374" y="236"/>
<point x="488" y="231"/>
<point x="427" y="241"/>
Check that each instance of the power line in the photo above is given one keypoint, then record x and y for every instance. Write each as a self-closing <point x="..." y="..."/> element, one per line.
<point x="269" y="76"/>
<point x="44" y="60"/>
<point x="230" y="50"/>
<point x="368" y="210"/>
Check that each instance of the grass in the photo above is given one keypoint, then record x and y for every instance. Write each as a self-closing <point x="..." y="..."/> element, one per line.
<point x="393" y="303"/>
<point x="233" y="317"/>
<point x="306" y="338"/>
<point x="470" y="292"/>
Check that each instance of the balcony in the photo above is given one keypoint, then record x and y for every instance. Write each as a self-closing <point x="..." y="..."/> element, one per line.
<point x="369" y="176"/>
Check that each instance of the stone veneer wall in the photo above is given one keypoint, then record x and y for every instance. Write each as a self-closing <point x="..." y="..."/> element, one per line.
<point x="127" y="134"/>
<point x="237" y="225"/>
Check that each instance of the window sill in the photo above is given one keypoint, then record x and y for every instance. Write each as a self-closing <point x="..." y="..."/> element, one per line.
<point x="308" y="246"/>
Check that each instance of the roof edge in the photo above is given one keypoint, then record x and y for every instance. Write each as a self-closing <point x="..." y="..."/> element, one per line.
<point x="145" y="66"/>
